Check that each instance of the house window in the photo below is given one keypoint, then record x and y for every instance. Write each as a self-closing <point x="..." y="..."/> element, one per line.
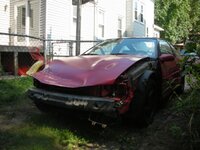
<point x="23" y="16"/>
<point x="141" y="14"/>
<point x="136" y="11"/>
<point x="22" y="9"/>
<point x="101" y="24"/>
<point x="119" y="27"/>
<point x="31" y="17"/>
<point x="74" y="19"/>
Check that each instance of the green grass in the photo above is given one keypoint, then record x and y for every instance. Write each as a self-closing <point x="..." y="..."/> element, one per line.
<point x="33" y="137"/>
<point x="37" y="131"/>
<point x="13" y="90"/>
<point x="23" y="127"/>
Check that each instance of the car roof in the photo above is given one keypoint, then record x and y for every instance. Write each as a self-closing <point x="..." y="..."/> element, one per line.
<point x="154" y="38"/>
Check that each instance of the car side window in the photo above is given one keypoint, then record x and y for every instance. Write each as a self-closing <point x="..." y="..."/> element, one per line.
<point x="175" y="51"/>
<point x="165" y="48"/>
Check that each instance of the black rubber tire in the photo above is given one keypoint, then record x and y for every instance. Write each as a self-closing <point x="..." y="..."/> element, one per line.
<point x="144" y="104"/>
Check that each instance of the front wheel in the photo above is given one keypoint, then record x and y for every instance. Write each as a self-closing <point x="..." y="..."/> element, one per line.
<point x="144" y="104"/>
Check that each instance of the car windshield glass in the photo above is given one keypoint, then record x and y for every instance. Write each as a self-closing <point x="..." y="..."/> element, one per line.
<point x="137" y="46"/>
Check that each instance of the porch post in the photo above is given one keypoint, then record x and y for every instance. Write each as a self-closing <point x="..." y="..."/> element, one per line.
<point x="27" y="26"/>
<point x="15" y="63"/>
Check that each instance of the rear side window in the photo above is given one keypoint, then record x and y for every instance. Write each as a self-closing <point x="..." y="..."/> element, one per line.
<point x="165" y="48"/>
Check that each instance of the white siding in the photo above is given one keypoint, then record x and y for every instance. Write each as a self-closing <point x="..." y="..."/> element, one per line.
<point x="87" y="22"/>
<point x="42" y="22"/>
<point x="149" y="13"/>
<point x="16" y="24"/>
<point x="137" y="28"/>
<point x="113" y="9"/>
<point x="129" y="18"/>
<point x="34" y="31"/>
<point x="58" y="19"/>
<point x="4" y="21"/>
<point x="90" y="20"/>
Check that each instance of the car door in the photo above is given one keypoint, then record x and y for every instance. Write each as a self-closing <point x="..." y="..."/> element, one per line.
<point x="170" y="68"/>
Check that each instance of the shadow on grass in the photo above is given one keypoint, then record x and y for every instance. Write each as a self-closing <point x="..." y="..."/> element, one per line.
<point x="115" y="136"/>
<point x="16" y="140"/>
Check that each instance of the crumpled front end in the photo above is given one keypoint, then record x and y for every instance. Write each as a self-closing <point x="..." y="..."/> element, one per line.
<point x="111" y="92"/>
<point x="101" y="98"/>
<point x="88" y="103"/>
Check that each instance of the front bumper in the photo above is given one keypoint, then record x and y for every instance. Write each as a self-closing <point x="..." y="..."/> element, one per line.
<point x="88" y="103"/>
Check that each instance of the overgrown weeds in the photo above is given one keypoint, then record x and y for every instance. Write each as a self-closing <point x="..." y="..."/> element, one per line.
<point x="13" y="91"/>
<point x="189" y="104"/>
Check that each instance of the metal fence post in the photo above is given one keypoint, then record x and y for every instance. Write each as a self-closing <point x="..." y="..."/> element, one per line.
<point x="44" y="50"/>
<point x="70" y="48"/>
<point x="9" y="31"/>
<point x="78" y="27"/>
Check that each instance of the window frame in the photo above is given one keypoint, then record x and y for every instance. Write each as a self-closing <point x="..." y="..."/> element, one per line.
<point x="136" y="11"/>
<point x="169" y="49"/>
<point x="119" y="31"/>
<point x="142" y="13"/>
<point x="101" y="23"/>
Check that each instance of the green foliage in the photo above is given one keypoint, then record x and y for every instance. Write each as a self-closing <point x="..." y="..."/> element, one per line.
<point x="177" y="17"/>
<point x="195" y="15"/>
<point x="36" y="137"/>
<point x="189" y="104"/>
<point x="190" y="46"/>
<point x="13" y="90"/>
<point x="176" y="131"/>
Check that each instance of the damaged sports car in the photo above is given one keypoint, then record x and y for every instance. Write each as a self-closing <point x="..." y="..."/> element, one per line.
<point x="126" y="77"/>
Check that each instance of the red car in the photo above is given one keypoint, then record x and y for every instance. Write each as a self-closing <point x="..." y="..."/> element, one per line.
<point x="129" y="77"/>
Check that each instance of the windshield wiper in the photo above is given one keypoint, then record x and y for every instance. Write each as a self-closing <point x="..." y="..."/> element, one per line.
<point x="90" y="54"/>
<point x="119" y="54"/>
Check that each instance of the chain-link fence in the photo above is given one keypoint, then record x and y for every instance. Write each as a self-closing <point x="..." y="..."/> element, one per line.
<point x="19" y="52"/>
<point x="65" y="48"/>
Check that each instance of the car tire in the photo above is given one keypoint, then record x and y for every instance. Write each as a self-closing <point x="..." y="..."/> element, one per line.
<point x="144" y="103"/>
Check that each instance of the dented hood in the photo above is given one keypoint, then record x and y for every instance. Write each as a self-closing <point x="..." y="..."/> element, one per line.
<point x="81" y="71"/>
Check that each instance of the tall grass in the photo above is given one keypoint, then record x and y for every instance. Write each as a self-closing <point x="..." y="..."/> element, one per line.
<point x="13" y="90"/>
<point x="189" y="103"/>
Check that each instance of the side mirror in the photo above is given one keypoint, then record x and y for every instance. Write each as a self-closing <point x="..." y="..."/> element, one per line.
<point x="166" y="57"/>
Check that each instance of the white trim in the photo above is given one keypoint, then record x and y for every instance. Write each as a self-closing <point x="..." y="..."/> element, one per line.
<point x="16" y="5"/>
<point x="27" y="25"/>
<point x="156" y="27"/>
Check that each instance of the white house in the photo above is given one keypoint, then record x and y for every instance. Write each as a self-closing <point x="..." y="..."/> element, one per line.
<point x="56" y="19"/>
<point x="140" y="18"/>
<point x="157" y="31"/>
<point x="100" y="19"/>
<point x="4" y="21"/>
